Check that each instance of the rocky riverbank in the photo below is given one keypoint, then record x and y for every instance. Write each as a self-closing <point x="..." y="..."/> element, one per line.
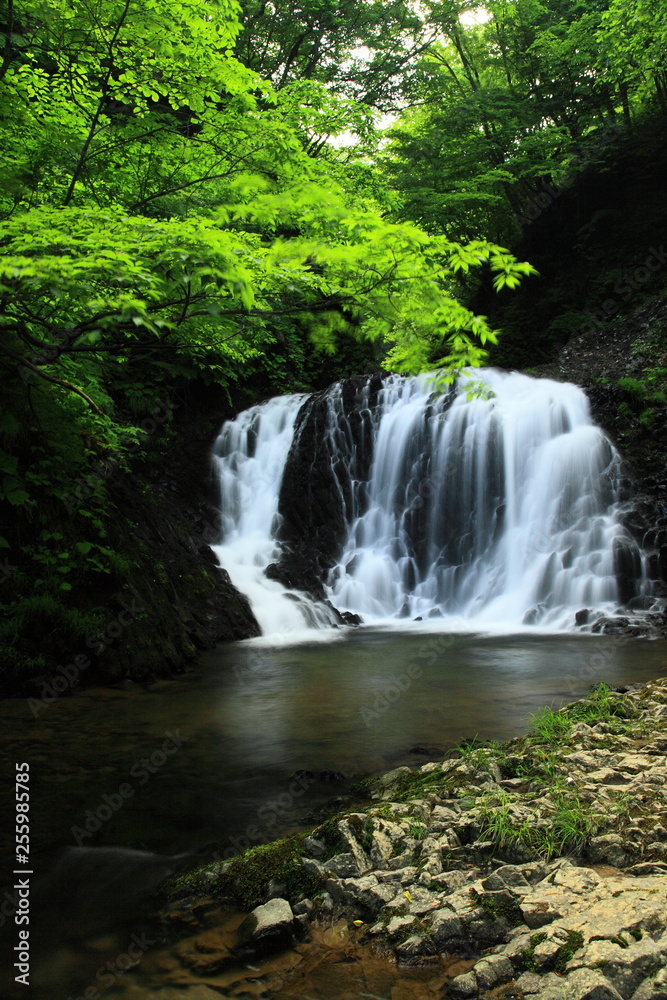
<point x="535" y="868"/>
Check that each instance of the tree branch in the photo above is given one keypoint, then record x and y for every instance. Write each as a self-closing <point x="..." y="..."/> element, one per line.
<point x="24" y="363"/>
<point x="83" y="156"/>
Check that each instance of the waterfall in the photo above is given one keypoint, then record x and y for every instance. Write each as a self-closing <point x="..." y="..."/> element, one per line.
<point x="250" y="455"/>
<point x="499" y="507"/>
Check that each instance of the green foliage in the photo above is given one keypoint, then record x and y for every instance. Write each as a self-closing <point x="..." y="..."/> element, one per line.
<point x="574" y="940"/>
<point x="245" y="879"/>
<point x="499" y="908"/>
<point x="361" y="49"/>
<point x="514" y="105"/>
<point x="529" y="952"/>
<point x="554" y="727"/>
<point x="167" y="215"/>
<point x="566" y="830"/>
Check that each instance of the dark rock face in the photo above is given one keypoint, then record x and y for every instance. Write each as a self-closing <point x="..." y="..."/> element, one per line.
<point x="162" y="517"/>
<point x="599" y="361"/>
<point x="190" y="601"/>
<point x="316" y="497"/>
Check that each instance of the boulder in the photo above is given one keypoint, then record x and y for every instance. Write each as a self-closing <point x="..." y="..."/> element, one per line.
<point x="588" y="984"/>
<point x="269" y="926"/>
<point x="493" y="970"/>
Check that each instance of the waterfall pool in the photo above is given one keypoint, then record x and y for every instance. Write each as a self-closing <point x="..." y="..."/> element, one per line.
<point x="207" y="755"/>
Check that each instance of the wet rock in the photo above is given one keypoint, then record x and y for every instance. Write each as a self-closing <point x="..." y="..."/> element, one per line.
<point x="315" y="848"/>
<point x="391" y="777"/>
<point x="507" y="875"/>
<point x="342" y="865"/>
<point x="586" y="984"/>
<point x="385" y="838"/>
<point x="538" y="912"/>
<point x="348" y="831"/>
<point x="315" y="501"/>
<point x="324" y="902"/>
<point x="414" y="949"/>
<point x="422" y="901"/>
<point x="545" y="954"/>
<point x="627" y="966"/>
<point x="609" y="848"/>
<point x="397" y="926"/>
<point x="349" y="618"/>
<point x="366" y="892"/>
<point x="654" y="988"/>
<point x="269" y="926"/>
<point x="303" y="906"/>
<point x="528" y="984"/>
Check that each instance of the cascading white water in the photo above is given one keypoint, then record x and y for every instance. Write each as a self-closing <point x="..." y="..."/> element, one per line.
<point x="499" y="508"/>
<point x="250" y="455"/>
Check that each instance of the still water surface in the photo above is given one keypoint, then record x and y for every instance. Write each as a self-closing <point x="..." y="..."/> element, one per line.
<point x="252" y="716"/>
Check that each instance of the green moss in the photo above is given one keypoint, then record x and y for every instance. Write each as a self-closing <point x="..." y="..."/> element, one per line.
<point x="500" y="908"/>
<point x="385" y="812"/>
<point x="527" y="956"/>
<point x="245" y="879"/>
<point x="329" y="834"/>
<point x="573" y="942"/>
<point x="364" y="787"/>
<point x="414" y="785"/>
<point x="363" y="830"/>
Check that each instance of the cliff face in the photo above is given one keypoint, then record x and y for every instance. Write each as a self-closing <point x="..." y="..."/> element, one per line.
<point x="170" y="517"/>
<point x="164" y="597"/>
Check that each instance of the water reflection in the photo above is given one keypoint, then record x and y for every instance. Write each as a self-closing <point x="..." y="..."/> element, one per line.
<point x="251" y="717"/>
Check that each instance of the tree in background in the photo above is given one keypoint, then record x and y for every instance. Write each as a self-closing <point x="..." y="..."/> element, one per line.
<point x="518" y="99"/>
